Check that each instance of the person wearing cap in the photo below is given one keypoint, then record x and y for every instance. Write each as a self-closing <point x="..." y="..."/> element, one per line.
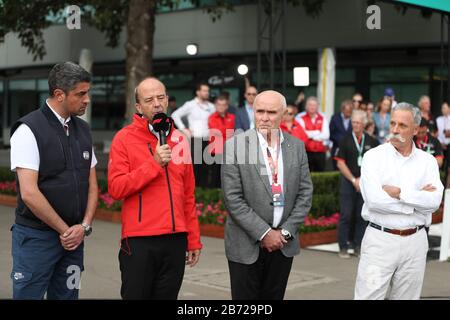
<point x="401" y="188"/>
<point x="389" y="92"/>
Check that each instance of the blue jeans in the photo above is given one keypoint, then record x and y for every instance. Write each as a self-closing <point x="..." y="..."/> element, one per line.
<point x="41" y="264"/>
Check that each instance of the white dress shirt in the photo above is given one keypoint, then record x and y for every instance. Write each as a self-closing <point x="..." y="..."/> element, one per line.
<point x="197" y="115"/>
<point x="384" y="165"/>
<point x="277" y="211"/>
<point x="24" y="148"/>
<point x="443" y="123"/>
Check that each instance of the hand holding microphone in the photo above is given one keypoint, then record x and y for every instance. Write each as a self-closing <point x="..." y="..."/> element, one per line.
<point x="161" y="124"/>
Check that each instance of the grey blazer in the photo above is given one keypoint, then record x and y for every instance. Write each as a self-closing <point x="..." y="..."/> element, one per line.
<point x="248" y="195"/>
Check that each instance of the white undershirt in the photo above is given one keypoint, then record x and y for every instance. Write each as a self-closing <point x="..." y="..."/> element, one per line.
<point x="24" y="148"/>
<point x="277" y="211"/>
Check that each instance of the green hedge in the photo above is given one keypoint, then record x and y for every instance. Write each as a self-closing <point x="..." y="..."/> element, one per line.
<point x="6" y="175"/>
<point x="325" y="200"/>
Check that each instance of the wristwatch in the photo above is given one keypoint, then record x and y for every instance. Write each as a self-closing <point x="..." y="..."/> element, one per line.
<point x="286" y="234"/>
<point x="87" y="229"/>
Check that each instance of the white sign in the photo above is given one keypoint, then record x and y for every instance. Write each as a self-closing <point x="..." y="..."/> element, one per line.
<point x="301" y="76"/>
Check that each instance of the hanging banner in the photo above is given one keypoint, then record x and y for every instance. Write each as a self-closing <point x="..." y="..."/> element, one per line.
<point x="326" y="85"/>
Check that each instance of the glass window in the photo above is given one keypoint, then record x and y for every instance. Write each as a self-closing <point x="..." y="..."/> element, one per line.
<point x="390" y="74"/>
<point x="23" y="99"/>
<point x="345" y="75"/>
<point x="29" y="84"/>
<point x="439" y="73"/>
<point x="108" y="103"/>
<point x="342" y="93"/>
<point x="42" y="85"/>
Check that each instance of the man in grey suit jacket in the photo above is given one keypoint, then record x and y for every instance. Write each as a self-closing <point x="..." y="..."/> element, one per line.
<point x="268" y="195"/>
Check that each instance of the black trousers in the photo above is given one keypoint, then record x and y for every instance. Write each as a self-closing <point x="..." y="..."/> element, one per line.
<point x="266" y="279"/>
<point x="351" y="224"/>
<point x="316" y="161"/>
<point x="152" y="267"/>
<point x="201" y="170"/>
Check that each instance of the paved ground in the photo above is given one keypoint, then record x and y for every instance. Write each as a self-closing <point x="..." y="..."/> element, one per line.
<point x="315" y="274"/>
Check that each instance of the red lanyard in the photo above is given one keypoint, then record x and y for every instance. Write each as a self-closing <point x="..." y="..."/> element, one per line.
<point x="273" y="164"/>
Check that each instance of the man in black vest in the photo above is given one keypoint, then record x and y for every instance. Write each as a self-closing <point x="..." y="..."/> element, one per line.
<point x="52" y="154"/>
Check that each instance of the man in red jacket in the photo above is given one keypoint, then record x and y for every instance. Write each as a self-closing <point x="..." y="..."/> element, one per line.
<point x="159" y="221"/>
<point x="221" y="126"/>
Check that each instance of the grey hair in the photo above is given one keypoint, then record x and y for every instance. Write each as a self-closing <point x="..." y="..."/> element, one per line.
<point x="282" y="98"/>
<point x="360" y="114"/>
<point x="423" y="97"/>
<point x="65" y="76"/>
<point x="312" y="99"/>
<point x="409" y="107"/>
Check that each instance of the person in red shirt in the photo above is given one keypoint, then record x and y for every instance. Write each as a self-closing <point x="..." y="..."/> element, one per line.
<point x="317" y="129"/>
<point x="221" y="126"/>
<point x="160" y="229"/>
<point x="291" y="126"/>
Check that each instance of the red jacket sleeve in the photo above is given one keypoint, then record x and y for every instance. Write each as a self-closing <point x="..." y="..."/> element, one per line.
<point x="190" y="211"/>
<point x="122" y="182"/>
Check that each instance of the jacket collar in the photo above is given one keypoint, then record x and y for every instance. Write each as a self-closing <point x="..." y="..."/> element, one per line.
<point x="142" y="124"/>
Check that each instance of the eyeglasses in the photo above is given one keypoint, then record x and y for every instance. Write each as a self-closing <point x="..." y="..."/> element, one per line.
<point x="358" y="101"/>
<point x="251" y="94"/>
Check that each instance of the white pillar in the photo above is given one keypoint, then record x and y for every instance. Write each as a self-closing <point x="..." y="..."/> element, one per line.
<point x="86" y="61"/>
<point x="445" y="237"/>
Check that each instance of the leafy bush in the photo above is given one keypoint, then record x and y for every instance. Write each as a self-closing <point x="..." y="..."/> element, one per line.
<point x="6" y="175"/>
<point x="325" y="200"/>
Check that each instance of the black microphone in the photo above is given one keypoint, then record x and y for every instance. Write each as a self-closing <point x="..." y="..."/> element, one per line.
<point x="161" y="124"/>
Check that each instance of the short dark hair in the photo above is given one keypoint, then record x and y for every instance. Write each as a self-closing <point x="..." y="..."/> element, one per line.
<point x="424" y="123"/>
<point x="199" y="85"/>
<point x="65" y="76"/>
<point x="221" y="97"/>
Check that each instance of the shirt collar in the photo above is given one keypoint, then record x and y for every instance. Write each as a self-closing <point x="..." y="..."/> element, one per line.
<point x="263" y="140"/>
<point x="395" y="152"/>
<point x="248" y="107"/>
<point x="61" y="119"/>
<point x="202" y="104"/>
